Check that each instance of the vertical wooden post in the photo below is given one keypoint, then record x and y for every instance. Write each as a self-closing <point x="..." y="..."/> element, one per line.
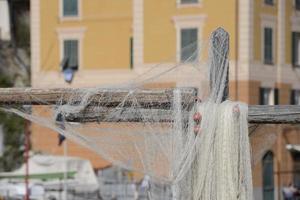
<point x="219" y="65"/>
<point x="27" y="144"/>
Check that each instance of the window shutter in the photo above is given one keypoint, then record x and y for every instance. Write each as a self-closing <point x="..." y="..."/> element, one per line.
<point x="261" y="96"/>
<point x="71" y="53"/>
<point x="189" y="39"/>
<point x="292" y="97"/>
<point x="268" y="46"/>
<point x="188" y="1"/>
<point x="294" y="48"/>
<point x="276" y="96"/>
<point x="269" y="2"/>
<point x="74" y="54"/>
<point x="67" y="51"/>
<point x="131" y="52"/>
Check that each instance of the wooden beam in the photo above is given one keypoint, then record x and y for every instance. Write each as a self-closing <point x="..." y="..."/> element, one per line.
<point x="157" y="98"/>
<point x="159" y="101"/>
<point x="104" y="114"/>
<point x="277" y="114"/>
<point x="258" y="114"/>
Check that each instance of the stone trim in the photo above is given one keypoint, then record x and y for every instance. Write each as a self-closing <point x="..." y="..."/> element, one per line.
<point x="138" y="33"/>
<point x="35" y="39"/>
<point x="245" y="38"/>
<point x="268" y="21"/>
<point x="71" y="33"/>
<point x="187" y="21"/>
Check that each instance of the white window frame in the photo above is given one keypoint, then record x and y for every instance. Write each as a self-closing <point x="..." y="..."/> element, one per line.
<point x="187" y="22"/>
<point x="69" y="18"/>
<point x="71" y="34"/>
<point x="268" y="21"/>
<point x="187" y="5"/>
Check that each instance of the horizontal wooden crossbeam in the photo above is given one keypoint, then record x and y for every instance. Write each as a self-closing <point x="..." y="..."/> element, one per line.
<point x="277" y="114"/>
<point x="157" y="98"/>
<point x="155" y="104"/>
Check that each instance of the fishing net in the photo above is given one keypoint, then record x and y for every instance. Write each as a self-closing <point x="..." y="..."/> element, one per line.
<point x="172" y="122"/>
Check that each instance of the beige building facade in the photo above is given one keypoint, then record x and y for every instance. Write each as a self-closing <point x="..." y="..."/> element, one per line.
<point x="114" y="41"/>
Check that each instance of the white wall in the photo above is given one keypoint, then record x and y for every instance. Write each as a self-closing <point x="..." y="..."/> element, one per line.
<point x="4" y="21"/>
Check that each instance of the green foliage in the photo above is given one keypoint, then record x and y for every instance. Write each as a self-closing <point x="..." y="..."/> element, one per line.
<point x="13" y="128"/>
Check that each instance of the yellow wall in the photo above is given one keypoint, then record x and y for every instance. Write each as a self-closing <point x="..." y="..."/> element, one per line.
<point x="106" y="42"/>
<point x="259" y="9"/>
<point x="288" y="31"/>
<point x="160" y="31"/>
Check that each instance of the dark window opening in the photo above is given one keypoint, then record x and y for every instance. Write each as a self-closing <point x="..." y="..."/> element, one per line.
<point x="268" y="176"/>
<point x="269" y="2"/>
<point x="268" y="46"/>
<point x="296" y="49"/>
<point x="268" y="96"/>
<point x="70" y="8"/>
<point x="296" y="168"/>
<point x="189" y="45"/>
<point x="188" y="1"/>
<point x="70" y="54"/>
<point x="297" y="4"/>
<point x="295" y="97"/>
<point x="276" y="96"/>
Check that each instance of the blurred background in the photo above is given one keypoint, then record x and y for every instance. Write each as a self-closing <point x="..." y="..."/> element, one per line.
<point x="88" y="43"/>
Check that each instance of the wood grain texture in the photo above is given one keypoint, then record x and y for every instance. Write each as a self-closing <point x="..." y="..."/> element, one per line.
<point x="154" y="100"/>
<point x="277" y="114"/>
<point x="158" y="98"/>
<point x="258" y="114"/>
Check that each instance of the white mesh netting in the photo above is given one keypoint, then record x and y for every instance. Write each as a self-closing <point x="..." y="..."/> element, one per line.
<point x="170" y="123"/>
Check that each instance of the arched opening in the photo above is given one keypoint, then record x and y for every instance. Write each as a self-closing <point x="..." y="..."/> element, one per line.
<point x="268" y="176"/>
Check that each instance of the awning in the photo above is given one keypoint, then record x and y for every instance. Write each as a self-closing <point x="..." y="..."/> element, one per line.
<point x="41" y="176"/>
<point x="293" y="147"/>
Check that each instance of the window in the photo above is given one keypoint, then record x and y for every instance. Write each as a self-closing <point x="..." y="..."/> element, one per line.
<point x="295" y="97"/>
<point x="297" y="4"/>
<point x="268" y="176"/>
<point x="189" y="44"/>
<point x="70" y="54"/>
<point x="269" y="2"/>
<point x="296" y="49"/>
<point x="269" y="96"/>
<point x="296" y="166"/>
<point x="188" y="1"/>
<point x="70" y="8"/>
<point x="268" y="46"/>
